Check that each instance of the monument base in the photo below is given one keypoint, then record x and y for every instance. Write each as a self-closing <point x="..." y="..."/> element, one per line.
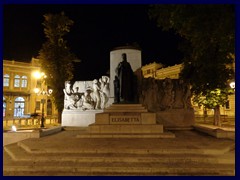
<point x="79" y="118"/>
<point x="126" y="121"/>
<point x="176" y="118"/>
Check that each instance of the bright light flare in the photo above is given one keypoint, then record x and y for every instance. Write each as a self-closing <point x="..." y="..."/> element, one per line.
<point x="14" y="128"/>
<point x="232" y="85"/>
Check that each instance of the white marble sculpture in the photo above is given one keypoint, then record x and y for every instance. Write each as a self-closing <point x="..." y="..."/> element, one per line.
<point x="87" y="95"/>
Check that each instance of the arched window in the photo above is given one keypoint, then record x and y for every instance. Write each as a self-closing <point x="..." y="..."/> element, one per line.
<point x="24" y="81"/>
<point x="6" y="80"/>
<point x="4" y="107"/>
<point x="17" y="81"/>
<point x="19" y="107"/>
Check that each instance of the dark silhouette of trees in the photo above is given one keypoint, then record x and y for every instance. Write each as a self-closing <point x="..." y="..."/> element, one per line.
<point x="55" y="57"/>
<point x="209" y="43"/>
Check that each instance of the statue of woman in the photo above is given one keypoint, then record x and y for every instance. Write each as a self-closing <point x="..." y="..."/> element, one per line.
<point x="124" y="73"/>
<point x="96" y="93"/>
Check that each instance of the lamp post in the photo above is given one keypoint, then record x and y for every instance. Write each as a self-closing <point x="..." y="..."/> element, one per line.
<point x="43" y="92"/>
<point x="42" y="118"/>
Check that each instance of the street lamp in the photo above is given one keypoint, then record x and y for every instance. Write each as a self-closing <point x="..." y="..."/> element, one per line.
<point x="232" y="84"/>
<point x="43" y="92"/>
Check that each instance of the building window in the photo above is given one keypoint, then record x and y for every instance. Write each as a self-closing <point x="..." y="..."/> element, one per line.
<point x="6" y="80"/>
<point x="17" y="81"/>
<point x="37" y="105"/>
<point x="19" y="107"/>
<point x="4" y="107"/>
<point x="24" y="81"/>
<point x="227" y="105"/>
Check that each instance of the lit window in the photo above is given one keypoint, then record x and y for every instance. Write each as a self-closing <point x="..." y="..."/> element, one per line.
<point x="4" y="107"/>
<point x="19" y="107"/>
<point x="17" y="81"/>
<point x="6" y="80"/>
<point x="24" y="81"/>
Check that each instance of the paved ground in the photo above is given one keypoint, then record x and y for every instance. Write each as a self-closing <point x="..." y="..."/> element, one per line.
<point x="107" y="156"/>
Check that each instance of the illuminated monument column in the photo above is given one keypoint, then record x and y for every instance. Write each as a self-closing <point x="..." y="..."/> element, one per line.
<point x="134" y="57"/>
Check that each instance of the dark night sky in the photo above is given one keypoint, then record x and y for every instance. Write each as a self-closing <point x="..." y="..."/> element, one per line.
<point x="96" y="31"/>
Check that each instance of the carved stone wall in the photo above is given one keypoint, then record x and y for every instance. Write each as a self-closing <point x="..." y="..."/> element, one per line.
<point x="170" y="99"/>
<point x="87" y="95"/>
<point x="160" y="95"/>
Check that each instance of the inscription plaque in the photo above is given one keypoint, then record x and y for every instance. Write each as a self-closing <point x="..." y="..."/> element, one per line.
<point x="125" y="119"/>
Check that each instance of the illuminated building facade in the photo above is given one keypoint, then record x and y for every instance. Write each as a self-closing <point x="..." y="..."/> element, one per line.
<point x="19" y="98"/>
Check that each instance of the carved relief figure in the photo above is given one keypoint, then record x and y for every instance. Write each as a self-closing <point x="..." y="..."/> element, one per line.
<point x="88" y="102"/>
<point x="105" y="91"/>
<point x="187" y="96"/>
<point x="167" y="99"/>
<point x="179" y="93"/>
<point x="69" y="99"/>
<point x="87" y="95"/>
<point x="96" y="94"/>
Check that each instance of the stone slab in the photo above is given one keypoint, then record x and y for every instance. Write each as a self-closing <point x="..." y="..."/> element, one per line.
<point x="148" y="118"/>
<point x="102" y="118"/>
<point x="79" y="118"/>
<point x="10" y="137"/>
<point x="176" y="118"/>
<point x="217" y="132"/>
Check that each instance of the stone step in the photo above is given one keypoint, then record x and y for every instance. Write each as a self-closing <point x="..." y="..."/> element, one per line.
<point x="19" y="154"/>
<point x="125" y="128"/>
<point x="123" y="150"/>
<point x="53" y="168"/>
<point x="110" y="168"/>
<point x="122" y="135"/>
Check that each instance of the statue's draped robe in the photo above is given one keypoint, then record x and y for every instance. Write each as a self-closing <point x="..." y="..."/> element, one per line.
<point x="125" y="75"/>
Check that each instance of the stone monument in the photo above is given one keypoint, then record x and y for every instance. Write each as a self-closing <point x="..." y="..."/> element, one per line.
<point x="124" y="119"/>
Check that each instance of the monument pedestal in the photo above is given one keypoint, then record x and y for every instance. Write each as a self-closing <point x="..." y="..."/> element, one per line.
<point x="78" y="118"/>
<point x="126" y="121"/>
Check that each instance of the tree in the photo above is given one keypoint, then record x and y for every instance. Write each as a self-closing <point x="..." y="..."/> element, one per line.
<point x="55" y="57"/>
<point x="208" y="44"/>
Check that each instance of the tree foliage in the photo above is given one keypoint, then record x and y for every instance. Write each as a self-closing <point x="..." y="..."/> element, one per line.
<point x="55" y="57"/>
<point x="208" y="42"/>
